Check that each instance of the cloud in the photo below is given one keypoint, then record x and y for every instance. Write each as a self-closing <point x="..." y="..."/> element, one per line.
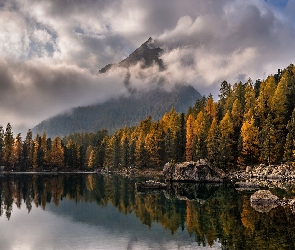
<point x="51" y="50"/>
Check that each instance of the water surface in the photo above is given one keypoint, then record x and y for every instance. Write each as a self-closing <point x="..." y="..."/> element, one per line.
<point x="105" y="212"/>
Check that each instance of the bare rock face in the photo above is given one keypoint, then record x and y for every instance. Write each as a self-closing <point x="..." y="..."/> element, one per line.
<point x="199" y="171"/>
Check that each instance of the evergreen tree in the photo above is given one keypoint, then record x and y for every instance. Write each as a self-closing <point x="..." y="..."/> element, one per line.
<point x="268" y="142"/>
<point x="2" y="146"/>
<point x="8" y="144"/>
<point x="290" y="140"/>
<point x="28" y="149"/>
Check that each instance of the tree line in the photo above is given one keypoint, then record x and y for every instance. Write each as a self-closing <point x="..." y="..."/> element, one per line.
<point x="251" y="123"/>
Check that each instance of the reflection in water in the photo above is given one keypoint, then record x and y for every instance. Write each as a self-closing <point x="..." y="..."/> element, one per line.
<point x="97" y="211"/>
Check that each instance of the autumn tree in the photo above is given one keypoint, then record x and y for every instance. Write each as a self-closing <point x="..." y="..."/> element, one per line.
<point x="250" y="143"/>
<point x="213" y="143"/>
<point x="268" y="141"/>
<point x="16" y="158"/>
<point x="226" y="141"/>
<point x="154" y="145"/>
<point x="28" y="149"/>
<point x="264" y="100"/>
<point x="57" y="153"/>
<point x="200" y="132"/>
<point x="190" y="138"/>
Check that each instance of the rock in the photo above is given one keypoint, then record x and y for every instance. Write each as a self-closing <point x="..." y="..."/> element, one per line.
<point x="263" y="201"/>
<point x="149" y="185"/>
<point x="246" y="186"/>
<point x="248" y="169"/>
<point x="199" y="171"/>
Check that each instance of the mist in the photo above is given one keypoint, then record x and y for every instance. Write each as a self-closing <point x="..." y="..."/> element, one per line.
<point x="51" y="51"/>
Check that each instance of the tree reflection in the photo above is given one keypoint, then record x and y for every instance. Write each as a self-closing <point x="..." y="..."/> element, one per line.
<point x="209" y="213"/>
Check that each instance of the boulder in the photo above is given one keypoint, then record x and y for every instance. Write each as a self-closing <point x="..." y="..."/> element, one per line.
<point x="199" y="171"/>
<point x="263" y="201"/>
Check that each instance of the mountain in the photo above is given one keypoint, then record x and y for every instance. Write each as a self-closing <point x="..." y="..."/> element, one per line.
<point x="124" y="111"/>
<point x="117" y="113"/>
<point x="148" y="53"/>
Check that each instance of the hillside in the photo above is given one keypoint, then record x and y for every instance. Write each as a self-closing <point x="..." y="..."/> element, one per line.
<point x="117" y="113"/>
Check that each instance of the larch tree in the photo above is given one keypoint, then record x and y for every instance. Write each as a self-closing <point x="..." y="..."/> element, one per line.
<point x="211" y="108"/>
<point x="154" y="145"/>
<point x="90" y="162"/>
<point x="279" y="109"/>
<point x="249" y="100"/>
<point x="226" y="141"/>
<point x="57" y="153"/>
<point x="16" y="158"/>
<point x="264" y="100"/>
<point x="200" y="132"/>
<point x="267" y="142"/>
<point x="213" y="142"/>
<point x="250" y="143"/>
<point x="190" y="138"/>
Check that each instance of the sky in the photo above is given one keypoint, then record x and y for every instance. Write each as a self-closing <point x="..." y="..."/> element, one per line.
<point x="51" y="51"/>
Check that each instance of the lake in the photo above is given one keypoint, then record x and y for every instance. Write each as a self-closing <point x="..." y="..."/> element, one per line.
<point x="89" y="211"/>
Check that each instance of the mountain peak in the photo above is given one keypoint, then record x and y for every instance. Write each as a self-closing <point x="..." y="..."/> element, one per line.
<point x="148" y="54"/>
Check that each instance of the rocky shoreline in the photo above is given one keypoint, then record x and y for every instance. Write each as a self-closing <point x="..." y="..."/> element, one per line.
<point x="262" y="176"/>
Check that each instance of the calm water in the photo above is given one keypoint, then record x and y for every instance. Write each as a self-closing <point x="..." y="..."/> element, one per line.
<point x="96" y="212"/>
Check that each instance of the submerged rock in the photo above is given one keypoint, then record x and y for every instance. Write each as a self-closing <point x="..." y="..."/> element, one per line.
<point x="263" y="201"/>
<point x="199" y="171"/>
<point x="149" y="185"/>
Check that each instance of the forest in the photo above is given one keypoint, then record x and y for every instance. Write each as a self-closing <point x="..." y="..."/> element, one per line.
<point x="251" y="123"/>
